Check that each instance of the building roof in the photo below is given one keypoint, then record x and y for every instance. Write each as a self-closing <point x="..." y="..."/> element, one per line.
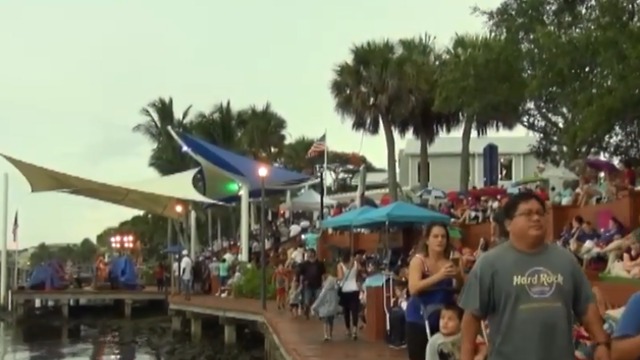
<point x="221" y="166"/>
<point x="453" y="145"/>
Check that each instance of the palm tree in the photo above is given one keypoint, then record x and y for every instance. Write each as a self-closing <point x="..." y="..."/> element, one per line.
<point x="482" y="79"/>
<point x="219" y="126"/>
<point x="264" y="132"/>
<point x="166" y="156"/>
<point x="367" y="90"/>
<point x="421" y="59"/>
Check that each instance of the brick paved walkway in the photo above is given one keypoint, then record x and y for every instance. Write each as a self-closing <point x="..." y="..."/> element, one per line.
<point x="301" y="339"/>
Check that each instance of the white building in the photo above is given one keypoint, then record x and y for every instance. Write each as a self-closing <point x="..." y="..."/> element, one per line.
<point x="516" y="161"/>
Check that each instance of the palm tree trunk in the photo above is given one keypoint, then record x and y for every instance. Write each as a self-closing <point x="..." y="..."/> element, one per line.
<point x="391" y="159"/>
<point x="424" y="160"/>
<point x="464" y="154"/>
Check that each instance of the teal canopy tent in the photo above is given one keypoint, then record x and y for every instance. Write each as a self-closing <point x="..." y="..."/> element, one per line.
<point x="399" y="213"/>
<point x="345" y="220"/>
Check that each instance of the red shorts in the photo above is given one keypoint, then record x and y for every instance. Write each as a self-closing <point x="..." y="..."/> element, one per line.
<point x="281" y="292"/>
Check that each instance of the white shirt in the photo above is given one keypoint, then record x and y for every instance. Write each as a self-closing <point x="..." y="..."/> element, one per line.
<point x="298" y="255"/>
<point x="176" y="268"/>
<point x="229" y="257"/>
<point x="186" y="267"/>
<point x="350" y="279"/>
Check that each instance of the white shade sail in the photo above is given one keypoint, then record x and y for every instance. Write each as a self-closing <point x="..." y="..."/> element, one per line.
<point x="308" y="200"/>
<point x="158" y="196"/>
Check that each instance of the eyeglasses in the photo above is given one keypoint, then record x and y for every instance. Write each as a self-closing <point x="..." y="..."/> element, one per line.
<point x="530" y="214"/>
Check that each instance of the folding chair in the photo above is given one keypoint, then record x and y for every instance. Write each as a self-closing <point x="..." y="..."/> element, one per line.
<point x="426" y="312"/>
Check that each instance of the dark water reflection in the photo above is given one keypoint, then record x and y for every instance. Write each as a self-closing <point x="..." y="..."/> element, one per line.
<point x="49" y="339"/>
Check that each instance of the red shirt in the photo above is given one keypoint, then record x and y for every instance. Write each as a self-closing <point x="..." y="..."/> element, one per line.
<point x="630" y="177"/>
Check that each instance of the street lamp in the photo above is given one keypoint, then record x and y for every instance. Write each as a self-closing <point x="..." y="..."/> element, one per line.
<point x="263" y="172"/>
<point x="179" y="208"/>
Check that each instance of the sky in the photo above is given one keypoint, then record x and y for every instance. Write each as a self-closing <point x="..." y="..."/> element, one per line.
<point x="74" y="75"/>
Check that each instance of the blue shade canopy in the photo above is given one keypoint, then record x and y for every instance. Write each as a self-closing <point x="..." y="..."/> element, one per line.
<point x="400" y="213"/>
<point x="346" y="220"/>
<point x="229" y="168"/>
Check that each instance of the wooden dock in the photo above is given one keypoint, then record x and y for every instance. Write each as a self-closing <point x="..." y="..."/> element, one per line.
<point x="295" y="338"/>
<point x="22" y="298"/>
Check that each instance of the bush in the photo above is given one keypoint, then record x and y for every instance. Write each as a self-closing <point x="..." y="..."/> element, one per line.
<point x="249" y="286"/>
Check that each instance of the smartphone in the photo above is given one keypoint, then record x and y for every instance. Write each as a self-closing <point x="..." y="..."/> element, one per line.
<point x="456" y="261"/>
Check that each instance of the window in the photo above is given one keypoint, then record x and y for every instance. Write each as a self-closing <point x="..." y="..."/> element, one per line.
<point x="506" y="168"/>
<point x="428" y="172"/>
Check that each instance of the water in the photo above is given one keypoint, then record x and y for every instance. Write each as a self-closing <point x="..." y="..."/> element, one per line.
<point x="146" y="339"/>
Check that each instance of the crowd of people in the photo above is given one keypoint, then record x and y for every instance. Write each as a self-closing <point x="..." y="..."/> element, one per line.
<point x="445" y="300"/>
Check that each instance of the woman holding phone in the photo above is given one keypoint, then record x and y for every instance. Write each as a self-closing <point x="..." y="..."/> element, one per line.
<point x="432" y="278"/>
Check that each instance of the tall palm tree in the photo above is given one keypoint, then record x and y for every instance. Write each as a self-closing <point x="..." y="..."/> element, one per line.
<point x="421" y="59"/>
<point x="367" y="90"/>
<point x="166" y="156"/>
<point x="482" y="79"/>
<point x="219" y="126"/>
<point x="264" y="132"/>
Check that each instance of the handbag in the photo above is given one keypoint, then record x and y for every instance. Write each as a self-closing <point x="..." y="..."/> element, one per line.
<point x="341" y="299"/>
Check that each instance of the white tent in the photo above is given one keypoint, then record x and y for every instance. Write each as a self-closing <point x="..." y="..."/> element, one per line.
<point x="308" y="200"/>
<point x="158" y="196"/>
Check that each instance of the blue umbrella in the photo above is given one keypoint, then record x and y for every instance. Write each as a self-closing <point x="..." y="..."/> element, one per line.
<point x="400" y="213"/>
<point x="433" y="193"/>
<point x="345" y="220"/>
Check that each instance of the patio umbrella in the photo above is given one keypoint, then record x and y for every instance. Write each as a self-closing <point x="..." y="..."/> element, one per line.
<point x="602" y="165"/>
<point x="432" y="193"/>
<point x="400" y="213"/>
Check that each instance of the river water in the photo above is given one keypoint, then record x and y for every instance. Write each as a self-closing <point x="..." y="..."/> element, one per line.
<point x="49" y="338"/>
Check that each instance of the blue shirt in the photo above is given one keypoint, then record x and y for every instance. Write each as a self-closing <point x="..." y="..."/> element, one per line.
<point x="609" y="234"/>
<point x="629" y="323"/>
<point x="441" y="294"/>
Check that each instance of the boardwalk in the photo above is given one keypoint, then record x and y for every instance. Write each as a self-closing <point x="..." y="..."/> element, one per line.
<point x="300" y="338"/>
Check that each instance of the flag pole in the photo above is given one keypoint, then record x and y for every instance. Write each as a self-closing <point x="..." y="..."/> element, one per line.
<point x="324" y="165"/>
<point x="323" y="177"/>
<point x="15" y="250"/>
<point x="3" y="248"/>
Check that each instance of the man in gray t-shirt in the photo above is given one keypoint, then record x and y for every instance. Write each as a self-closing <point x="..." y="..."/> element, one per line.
<point x="529" y="291"/>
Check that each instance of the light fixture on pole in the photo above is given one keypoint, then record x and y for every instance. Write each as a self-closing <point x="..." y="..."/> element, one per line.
<point x="124" y="242"/>
<point x="263" y="172"/>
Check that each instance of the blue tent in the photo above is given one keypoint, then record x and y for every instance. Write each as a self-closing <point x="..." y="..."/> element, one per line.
<point x="237" y="166"/>
<point x="123" y="272"/>
<point x="400" y="213"/>
<point x="347" y="219"/>
<point x="45" y="276"/>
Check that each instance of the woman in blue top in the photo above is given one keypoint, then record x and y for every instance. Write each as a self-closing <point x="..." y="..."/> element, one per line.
<point x="431" y="282"/>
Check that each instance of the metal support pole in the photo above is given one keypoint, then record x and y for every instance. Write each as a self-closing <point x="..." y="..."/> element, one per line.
<point x="5" y="237"/>
<point x="263" y="257"/>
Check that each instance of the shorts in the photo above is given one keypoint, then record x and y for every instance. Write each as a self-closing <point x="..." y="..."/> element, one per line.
<point x="223" y="280"/>
<point x="281" y="292"/>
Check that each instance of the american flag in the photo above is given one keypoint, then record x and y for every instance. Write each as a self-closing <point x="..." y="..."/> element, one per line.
<point x="14" y="230"/>
<point x="318" y="146"/>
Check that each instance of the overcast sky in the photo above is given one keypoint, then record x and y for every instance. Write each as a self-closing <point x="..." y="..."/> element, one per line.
<point x="74" y="74"/>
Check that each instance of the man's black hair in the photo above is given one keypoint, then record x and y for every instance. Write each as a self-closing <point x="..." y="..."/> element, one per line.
<point x="514" y="202"/>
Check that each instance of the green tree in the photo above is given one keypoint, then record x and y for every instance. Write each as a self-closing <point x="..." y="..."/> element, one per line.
<point x="421" y="60"/>
<point x="367" y="90"/>
<point x="166" y="156"/>
<point x="263" y="132"/>
<point x="579" y="59"/>
<point x="42" y="253"/>
<point x="481" y="79"/>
